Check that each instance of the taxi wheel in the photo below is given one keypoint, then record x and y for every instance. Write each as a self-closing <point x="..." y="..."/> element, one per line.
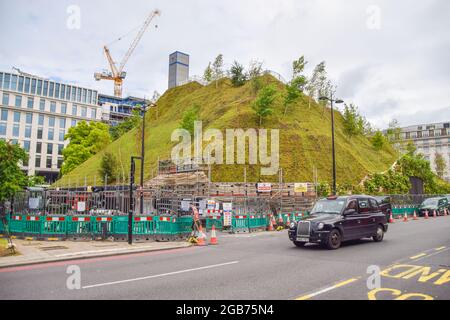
<point x="334" y="240"/>
<point x="299" y="244"/>
<point x="379" y="235"/>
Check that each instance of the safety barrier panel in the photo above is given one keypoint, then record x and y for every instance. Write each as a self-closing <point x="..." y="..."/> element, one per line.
<point x="166" y="228"/>
<point x="215" y="220"/>
<point x="184" y="226"/>
<point x="239" y="224"/>
<point x="400" y="211"/>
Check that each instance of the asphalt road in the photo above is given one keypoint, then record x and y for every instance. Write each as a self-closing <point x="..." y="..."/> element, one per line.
<point x="414" y="259"/>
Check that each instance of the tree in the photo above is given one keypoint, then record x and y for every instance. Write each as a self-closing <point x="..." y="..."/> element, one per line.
<point x="35" y="181"/>
<point x="440" y="164"/>
<point x="255" y="71"/>
<point x="393" y="132"/>
<point x="130" y="123"/>
<point x="378" y="140"/>
<point x="12" y="178"/>
<point x="354" y="123"/>
<point x="108" y="168"/>
<point x="208" y="74"/>
<point x="217" y="68"/>
<point x="264" y="101"/>
<point x="297" y="85"/>
<point x="86" y="139"/>
<point x="238" y="76"/>
<point x="156" y="96"/>
<point x="189" y="118"/>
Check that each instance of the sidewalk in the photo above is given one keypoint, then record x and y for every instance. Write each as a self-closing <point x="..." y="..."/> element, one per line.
<point x="33" y="252"/>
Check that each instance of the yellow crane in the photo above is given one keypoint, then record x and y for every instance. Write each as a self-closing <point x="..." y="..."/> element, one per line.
<point x="116" y="73"/>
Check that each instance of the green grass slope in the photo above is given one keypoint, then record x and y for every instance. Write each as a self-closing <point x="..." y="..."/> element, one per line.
<point x="305" y="137"/>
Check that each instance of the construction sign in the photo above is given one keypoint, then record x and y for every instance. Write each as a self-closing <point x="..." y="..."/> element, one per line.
<point x="300" y="187"/>
<point x="227" y="213"/>
<point x="264" y="187"/>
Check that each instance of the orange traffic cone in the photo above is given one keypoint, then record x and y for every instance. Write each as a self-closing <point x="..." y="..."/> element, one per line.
<point x="434" y="214"/>
<point x="415" y="216"/>
<point x="280" y="220"/>
<point x="271" y="228"/>
<point x="201" y="237"/>
<point x="213" y="239"/>
<point x="405" y="218"/>
<point x="426" y="215"/>
<point x="391" y="219"/>
<point x="288" y="221"/>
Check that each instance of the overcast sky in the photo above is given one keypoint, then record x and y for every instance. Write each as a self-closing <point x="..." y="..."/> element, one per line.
<point x="391" y="58"/>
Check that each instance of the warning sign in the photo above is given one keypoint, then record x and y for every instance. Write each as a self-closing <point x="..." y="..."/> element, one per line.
<point x="300" y="187"/>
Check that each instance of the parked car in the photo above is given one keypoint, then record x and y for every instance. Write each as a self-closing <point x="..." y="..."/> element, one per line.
<point x="385" y="205"/>
<point x="431" y="204"/>
<point x="337" y="219"/>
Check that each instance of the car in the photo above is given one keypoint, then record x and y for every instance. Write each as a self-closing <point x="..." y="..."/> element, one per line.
<point x="438" y="204"/>
<point x="337" y="219"/>
<point x="385" y="205"/>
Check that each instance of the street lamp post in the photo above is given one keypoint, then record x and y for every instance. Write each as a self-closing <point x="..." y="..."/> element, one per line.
<point x="332" y="101"/>
<point x="141" y="205"/>
<point x="131" y="211"/>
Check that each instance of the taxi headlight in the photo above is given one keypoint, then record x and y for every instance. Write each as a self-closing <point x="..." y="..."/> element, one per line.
<point x="292" y="225"/>
<point x="320" y="226"/>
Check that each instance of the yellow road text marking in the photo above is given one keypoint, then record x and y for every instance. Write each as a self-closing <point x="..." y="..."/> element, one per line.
<point x="418" y="256"/>
<point x="439" y="249"/>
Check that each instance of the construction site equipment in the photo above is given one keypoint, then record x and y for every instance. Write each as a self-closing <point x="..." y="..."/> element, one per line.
<point x="116" y="73"/>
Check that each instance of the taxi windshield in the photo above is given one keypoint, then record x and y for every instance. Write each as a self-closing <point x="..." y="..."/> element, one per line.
<point x="430" y="202"/>
<point x="329" y="206"/>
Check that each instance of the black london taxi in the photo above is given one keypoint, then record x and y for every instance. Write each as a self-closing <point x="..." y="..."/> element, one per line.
<point x="337" y="219"/>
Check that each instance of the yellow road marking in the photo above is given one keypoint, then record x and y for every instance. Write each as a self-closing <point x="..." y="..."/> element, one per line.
<point x="439" y="249"/>
<point x="338" y="285"/>
<point x="418" y="256"/>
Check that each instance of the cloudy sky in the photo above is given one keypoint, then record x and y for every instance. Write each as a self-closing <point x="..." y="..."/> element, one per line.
<point x="391" y="58"/>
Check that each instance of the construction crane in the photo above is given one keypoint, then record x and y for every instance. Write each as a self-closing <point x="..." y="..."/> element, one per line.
<point x="116" y="73"/>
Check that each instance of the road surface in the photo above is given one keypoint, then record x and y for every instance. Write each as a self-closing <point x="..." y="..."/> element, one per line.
<point x="414" y="260"/>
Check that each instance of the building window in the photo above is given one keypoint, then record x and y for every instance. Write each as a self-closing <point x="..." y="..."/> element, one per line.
<point x="60" y="149"/>
<point x="18" y="101"/>
<point x="37" y="162"/>
<point x="29" y="118"/>
<point x="49" y="162"/>
<point x="74" y="93"/>
<point x="57" y="90"/>
<point x="7" y="81"/>
<point x="61" y="135"/>
<point x="41" y="120"/>
<point x="51" y="134"/>
<point x="16" y="116"/>
<point x="53" y="106"/>
<point x="45" y="90"/>
<point x="28" y="131"/>
<point x="74" y="110"/>
<point x="39" y="87"/>
<point x="16" y="129"/>
<point x="26" y="145"/>
<point x="4" y="115"/>
<point x="79" y="94"/>
<point x="90" y="96"/>
<point x="5" y="100"/>
<point x="49" y="148"/>
<point x="64" y="108"/>
<point x="1" y="79"/>
<point x="84" y="112"/>
<point x="63" y="92"/>
<point x="50" y="89"/>
<point x="38" y="147"/>
<point x="74" y="123"/>
<point x="62" y="123"/>
<point x="51" y="121"/>
<point x="2" y="129"/>
<point x="60" y="162"/>
<point x="13" y="82"/>
<point x="93" y="113"/>
<point x="27" y="85"/>
<point x="33" y="86"/>
<point x="30" y="102"/>
<point x="42" y="105"/>
<point x="40" y="132"/>
<point x="20" y="87"/>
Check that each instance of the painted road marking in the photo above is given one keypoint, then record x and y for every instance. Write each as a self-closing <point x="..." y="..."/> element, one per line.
<point x="160" y="275"/>
<point x="336" y="286"/>
<point x="418" y="256"/>
<point x="439" y="249"/>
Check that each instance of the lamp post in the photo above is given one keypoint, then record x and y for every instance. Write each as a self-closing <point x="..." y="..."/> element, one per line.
<point x="332" y="101"/>
<point x="130" y="212"/>
<point x="143" y="110"/>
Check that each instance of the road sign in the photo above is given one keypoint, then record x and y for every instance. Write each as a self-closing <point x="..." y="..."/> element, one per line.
<point x="264" y="187"/>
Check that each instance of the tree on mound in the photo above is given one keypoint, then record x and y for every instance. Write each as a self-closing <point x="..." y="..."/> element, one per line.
<point x="264" y="102"/>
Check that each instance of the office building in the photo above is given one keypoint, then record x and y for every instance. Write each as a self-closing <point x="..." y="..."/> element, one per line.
<point x="116" y="110"/>
<point x="178" y="69"/>
<point x="430" y="140"/>
<point x="37" y="113"/>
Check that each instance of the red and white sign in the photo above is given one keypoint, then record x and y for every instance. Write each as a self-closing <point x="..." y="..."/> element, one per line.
<point x="102" y="219"/>
<point x="32" y="218"/>
<point x="81" y="219"/>
<point x="264" y="187"/>
<point x="141" y="219"/>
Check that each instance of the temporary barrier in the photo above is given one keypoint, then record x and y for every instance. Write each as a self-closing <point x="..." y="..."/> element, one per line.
<point x="184" y="226"/>
<point x="215" y="220"/>
<point x="239" y="224"/>
<point x="144" y="228"/>
<point x="166" y="228"/>
<point x="257" y="223"/>
<point x="103" y="227"/>
<point x="16" y="225"/>
<point x="400" y="211"/>
<point x="54" y="227"/>
<point x="80" y="228"/>
<point x="32" y="226"/>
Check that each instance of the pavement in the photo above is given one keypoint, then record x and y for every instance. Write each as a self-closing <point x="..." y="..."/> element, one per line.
<point x="414" y="261"/>
<point x="35" y="252"/>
